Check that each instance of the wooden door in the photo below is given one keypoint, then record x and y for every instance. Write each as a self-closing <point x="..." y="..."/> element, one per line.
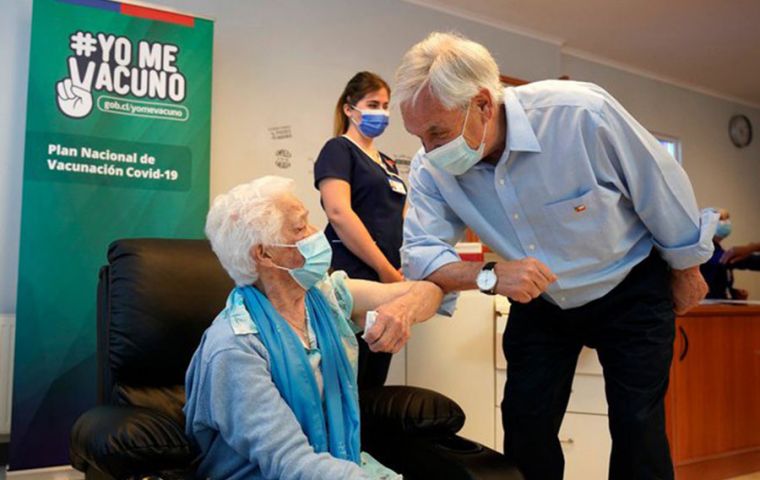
<point x="714" y="402"/>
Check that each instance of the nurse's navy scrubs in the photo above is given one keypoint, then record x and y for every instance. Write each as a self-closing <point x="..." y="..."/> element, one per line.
<point x="377" y="196"/>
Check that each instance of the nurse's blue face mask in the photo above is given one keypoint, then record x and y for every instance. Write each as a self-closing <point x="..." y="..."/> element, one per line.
<point x="373" y="122"/>
<point x="317" y="255"/>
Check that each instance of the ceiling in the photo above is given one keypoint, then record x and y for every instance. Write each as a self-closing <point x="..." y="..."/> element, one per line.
<point x="709" y="45"/>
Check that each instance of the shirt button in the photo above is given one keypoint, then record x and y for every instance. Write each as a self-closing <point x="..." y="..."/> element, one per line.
<point x="516" y="216"/>
<point x="562" y="299"/>
<point x="501" y="181"/>
<point x="531" y="247"/>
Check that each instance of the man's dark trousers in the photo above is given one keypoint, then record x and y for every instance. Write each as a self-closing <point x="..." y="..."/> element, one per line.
<point x="632" y="330"/>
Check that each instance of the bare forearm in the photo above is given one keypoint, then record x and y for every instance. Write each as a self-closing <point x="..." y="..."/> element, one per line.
<point x="423" y="298"/>
<point x="421" y="301"/>
<point x="456" y="276"/>
<point x="520" y="280"/>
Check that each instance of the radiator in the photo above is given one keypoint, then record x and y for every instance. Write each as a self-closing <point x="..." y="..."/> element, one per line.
<point x="7" y="335"/>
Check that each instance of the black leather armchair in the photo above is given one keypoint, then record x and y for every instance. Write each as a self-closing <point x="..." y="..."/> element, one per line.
<point x="155" y="299"/>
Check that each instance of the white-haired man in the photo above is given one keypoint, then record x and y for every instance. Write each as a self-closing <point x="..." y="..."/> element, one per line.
<point x="598" y="226"/>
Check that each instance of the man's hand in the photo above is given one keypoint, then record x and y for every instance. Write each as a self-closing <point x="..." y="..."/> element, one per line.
<point x="523" y="280"/>
<point x="688" y="289"/>
<point x="391" y="330"/>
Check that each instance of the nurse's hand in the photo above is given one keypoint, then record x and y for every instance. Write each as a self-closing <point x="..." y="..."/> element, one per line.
<point x="523" y="280"/>
<point x="390" y="275"/>
<point x="689" y="288"/>
<point x="391" y="330"/>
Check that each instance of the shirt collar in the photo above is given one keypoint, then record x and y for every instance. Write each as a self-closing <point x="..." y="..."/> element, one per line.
<point x="520" y="135"/>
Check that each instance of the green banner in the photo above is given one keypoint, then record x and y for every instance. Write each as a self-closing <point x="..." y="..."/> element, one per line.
<point x="117" y="146"/>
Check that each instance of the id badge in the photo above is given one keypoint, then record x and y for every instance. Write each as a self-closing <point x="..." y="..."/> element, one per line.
<point x="397" y="185"/>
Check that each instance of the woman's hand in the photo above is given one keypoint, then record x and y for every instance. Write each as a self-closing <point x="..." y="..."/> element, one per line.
<point x="391" y="330"/>
<point x="398" y="305"/>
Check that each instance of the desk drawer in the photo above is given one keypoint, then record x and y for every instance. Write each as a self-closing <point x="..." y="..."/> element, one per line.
<point x="587" y="395"/>
<point x="586" y="444"/>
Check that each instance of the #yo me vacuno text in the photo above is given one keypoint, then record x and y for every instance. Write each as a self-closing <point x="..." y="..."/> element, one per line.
<point x="110" y="63"/>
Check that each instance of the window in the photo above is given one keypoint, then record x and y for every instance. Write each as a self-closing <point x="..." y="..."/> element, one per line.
<point x="671" y="144"/>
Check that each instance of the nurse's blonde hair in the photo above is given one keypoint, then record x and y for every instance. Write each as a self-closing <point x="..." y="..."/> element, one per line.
<point x="453" y="67"/>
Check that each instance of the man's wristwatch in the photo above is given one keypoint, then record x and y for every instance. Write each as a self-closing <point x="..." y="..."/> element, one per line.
<point x="487" y="279"/>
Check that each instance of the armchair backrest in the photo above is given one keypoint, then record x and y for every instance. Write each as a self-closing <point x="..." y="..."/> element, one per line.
<point x="155" y="299"/>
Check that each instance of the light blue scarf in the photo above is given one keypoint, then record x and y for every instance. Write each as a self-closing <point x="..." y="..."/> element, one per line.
<point x="334" y="429"/>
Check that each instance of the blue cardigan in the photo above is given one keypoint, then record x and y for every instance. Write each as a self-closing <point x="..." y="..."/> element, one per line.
<point x="235" y="414"/>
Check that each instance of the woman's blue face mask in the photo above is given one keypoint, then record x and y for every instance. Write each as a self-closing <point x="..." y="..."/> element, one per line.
<point x="317" y="255"/>
<point x="373" y="122"/>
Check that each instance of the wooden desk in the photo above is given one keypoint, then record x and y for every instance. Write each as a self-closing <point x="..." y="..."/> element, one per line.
<point x="713" y="404"/>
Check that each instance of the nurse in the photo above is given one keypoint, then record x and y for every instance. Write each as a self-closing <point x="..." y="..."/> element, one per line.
<point x="363" y="196"/>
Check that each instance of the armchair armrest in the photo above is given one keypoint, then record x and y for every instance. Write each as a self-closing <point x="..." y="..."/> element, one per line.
<point x="410" y="411"/>
<point x="124" y="441"/>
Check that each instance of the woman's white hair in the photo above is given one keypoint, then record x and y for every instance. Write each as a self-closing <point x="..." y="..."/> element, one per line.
<point x="452" y="66"/>
<point x="247" y="215"/>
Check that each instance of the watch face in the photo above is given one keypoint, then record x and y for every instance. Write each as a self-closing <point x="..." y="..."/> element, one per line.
<point x="740" y="130"/>
<point x="486" y="279"/>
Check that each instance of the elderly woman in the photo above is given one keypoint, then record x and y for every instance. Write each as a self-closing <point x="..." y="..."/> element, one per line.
<point x="271" y="390"/>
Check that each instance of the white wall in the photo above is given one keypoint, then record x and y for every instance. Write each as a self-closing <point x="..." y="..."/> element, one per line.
<point x="722" y="175"/>
<point x="275" y="63"/>
<point x="285" y="62"/>
<point x="15" y="25"/>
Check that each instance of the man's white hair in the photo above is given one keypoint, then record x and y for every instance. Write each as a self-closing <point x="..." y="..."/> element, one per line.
<point x="247" y="215"/>
<point x="452" y="66"/>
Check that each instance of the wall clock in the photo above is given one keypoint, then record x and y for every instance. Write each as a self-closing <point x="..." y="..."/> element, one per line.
<point x="740" y="130"/>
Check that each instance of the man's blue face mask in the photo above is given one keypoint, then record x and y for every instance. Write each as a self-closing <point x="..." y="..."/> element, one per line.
<point x="317" y="255"/>
<point x="456" y="157"/>
<point x="373" y="122"/>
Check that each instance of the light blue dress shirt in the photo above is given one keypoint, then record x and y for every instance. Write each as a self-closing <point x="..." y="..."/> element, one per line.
<point x="581" y="186"/>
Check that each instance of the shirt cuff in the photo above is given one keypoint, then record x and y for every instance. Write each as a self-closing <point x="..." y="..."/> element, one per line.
<point x="686" y="256"/>
<point x="448" y="304"/>
<point x="421" y="262"/>
<point x="418" y="266"/>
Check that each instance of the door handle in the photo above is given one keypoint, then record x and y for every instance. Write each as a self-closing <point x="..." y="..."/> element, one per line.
<point x="685" y="349"/>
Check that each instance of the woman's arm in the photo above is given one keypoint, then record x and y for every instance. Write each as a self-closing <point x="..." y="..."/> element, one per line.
<point x="398" y="305"/>
<point x="740" y="252"/>
<point x="336" y="198"/>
